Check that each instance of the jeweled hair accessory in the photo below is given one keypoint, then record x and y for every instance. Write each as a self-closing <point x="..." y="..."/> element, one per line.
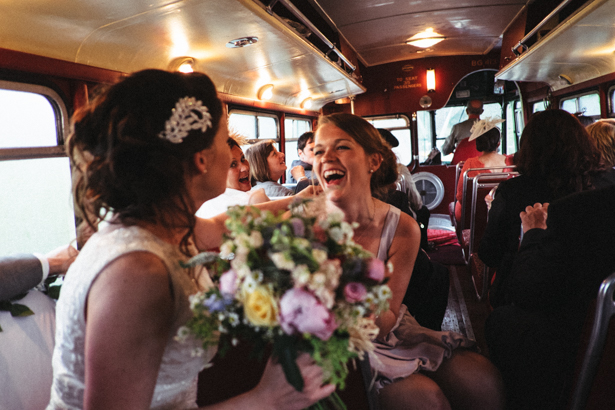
<point x="482" y="126"/>
<point x="185" y="118"/>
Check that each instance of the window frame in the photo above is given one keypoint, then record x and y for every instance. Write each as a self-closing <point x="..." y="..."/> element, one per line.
<point x="577" y="97"/>
<point x="256" y="114"/>
<point x="62" y="126"/>
<point x="396" y="117"/>
<point x="611" y="101"/>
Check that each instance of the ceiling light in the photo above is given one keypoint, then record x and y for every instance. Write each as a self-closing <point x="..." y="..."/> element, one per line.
<point x="182" y="64"/>
<point x="307" y="103"/>
<point x="265" y="92"/>
<point x="425" y="38"/>
<point x="242" y="42"/>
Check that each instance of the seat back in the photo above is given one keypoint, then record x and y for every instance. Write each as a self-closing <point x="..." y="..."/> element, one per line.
<point x="605" y="310"/>
<point x="466" y="197"/>
<point x="482" y="184"/>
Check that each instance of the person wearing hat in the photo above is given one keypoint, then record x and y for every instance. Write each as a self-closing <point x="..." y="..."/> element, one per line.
<point x="462" y="130"/>
<point x="487" y="137"/>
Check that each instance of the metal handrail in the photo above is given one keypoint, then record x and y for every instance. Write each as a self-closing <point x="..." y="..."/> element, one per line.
<point x="544" y="21"/>
<point x="291" y="7"/>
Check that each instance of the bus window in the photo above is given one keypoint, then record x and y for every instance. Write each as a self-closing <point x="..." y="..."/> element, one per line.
<point x="511" y="129"/>
<point x="36" y="209"/>
<point x="254" y="126"/>
<point x="400" y="128"/>
<point x="587" y="104"/>
<point x="448" y="116"/>
<point x="539" y="106"/>
<point x="293" y="129"/>
<point x="424" y="132"/>
<point x="611" y="95"/>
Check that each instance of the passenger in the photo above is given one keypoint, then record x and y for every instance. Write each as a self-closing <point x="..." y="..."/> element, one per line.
<point x="602" y="133"/>
<point x="156" y="149"/>
<point x="487" y="138"/>
<point x="561" y="262"/>
<point x="26" y="342"/>
<point x="462" y="131"/>
<point x="301" y="168"/>
<point x="266" y="167"/>
<point x="555" y="159"/>
<point x="354" y="167"/>
<point x="22" y="272"/>
<point x="238" y="186"/>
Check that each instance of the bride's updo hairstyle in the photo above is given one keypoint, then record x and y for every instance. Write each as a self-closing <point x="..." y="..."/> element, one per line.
<point x="123" y="160"/>
<point x="371" y="141"/>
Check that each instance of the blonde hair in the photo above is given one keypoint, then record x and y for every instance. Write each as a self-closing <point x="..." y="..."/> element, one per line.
<point x="602" y="133"/>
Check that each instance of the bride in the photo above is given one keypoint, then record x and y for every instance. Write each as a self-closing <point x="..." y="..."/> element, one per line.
<point x="151" y="150"/>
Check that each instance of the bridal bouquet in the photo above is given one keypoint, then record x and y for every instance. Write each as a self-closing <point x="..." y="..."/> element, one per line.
<point x="299" y="283"/>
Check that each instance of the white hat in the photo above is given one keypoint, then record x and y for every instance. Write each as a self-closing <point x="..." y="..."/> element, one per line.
<point x="482" y="126"/>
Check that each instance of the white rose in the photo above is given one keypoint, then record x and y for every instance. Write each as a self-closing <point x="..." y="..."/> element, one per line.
<point x="281" y="262"/>
<point x="319" y="255"/>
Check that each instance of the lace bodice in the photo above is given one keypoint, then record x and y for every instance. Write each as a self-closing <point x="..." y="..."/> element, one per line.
<point x="177" y="377"/>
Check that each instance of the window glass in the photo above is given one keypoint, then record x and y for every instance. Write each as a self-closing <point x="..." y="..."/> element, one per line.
<point x="254" y="126"/>
<point x="570" y="105"/>
<point x="447" y="117"/>
<point x="511" y="129"/>
<point x="38" y="213"/>
<point x="424" y="131"/>
<point x="243" y="124"/>
<point x="36" y="210"/>
<point x="539" y="106"/>
<point x="267" y="128"/>
<point x="26" y="120"/>
<point x="293" y="129"/>
<point x="400" y="128"/>
<point x="589" y="105"/>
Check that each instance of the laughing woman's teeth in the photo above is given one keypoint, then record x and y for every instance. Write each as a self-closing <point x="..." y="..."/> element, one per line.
<point x="333" y="174"/>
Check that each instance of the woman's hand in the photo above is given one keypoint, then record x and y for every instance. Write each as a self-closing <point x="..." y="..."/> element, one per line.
<point x="534" y="217"/>
<point x="61" y="258"/>
<point x="309" y="192"/>
<point x="275" y="392"/>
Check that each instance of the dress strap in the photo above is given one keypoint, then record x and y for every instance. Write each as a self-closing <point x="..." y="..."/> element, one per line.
<point x="388" y="232"/>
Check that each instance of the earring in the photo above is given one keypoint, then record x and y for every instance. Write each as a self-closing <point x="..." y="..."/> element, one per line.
<point x="371" y="171"/>
<point x="204" y="171"/>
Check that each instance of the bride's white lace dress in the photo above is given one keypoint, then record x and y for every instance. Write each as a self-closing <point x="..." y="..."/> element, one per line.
<point x="177" y="378"/>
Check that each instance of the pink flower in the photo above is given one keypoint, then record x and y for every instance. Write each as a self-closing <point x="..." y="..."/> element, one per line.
<point x="228" y="282"/>
<point x="354" y="292"/>
<point x="301" y="312"/>
<point x="375" y="270"/>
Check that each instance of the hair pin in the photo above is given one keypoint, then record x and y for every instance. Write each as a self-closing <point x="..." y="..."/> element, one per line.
<point x="186" y="118"/>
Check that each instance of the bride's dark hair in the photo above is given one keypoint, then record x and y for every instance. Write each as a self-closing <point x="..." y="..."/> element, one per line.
<point x="122" y="166"/>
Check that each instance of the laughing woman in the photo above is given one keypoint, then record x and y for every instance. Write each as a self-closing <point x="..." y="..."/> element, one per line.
<point x="266" y="167"/>
<point x="238" y="186"/>
<point x="418" y="368"/>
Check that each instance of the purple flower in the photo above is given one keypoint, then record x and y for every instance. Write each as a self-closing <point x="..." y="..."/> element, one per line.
<point x="298" y="227"/>
<point x="228" y="282"/>
<point x="354" y="292"/>
<point x="375" y="270"/>
<point x="301" y="312"/>
<point x="216" y="304"/>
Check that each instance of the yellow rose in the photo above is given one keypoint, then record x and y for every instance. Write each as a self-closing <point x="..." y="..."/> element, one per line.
<point x="260" y="307"/>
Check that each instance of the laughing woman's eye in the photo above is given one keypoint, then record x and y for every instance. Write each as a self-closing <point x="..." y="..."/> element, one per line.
<point x="318" y="152"/>
<point x="233" y="164"/>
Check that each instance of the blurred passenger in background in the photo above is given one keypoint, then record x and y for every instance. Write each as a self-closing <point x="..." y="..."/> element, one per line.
<point x="267" y="166"/>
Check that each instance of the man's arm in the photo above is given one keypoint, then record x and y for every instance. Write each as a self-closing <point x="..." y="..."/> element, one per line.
<point x="449" y="145"/>
<point x="18" y="274"/>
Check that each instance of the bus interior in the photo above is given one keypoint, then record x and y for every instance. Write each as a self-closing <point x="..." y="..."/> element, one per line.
<point x="406" y="66"/>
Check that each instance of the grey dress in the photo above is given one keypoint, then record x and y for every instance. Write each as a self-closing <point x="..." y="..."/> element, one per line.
<point x="409" y="347"/>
